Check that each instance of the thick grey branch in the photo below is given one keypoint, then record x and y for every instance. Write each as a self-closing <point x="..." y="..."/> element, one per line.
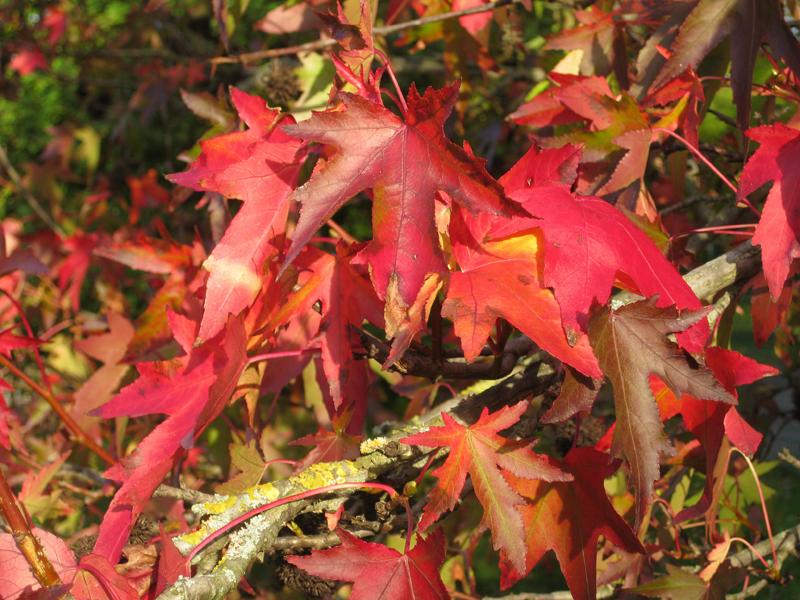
<point x="786" y="542"/>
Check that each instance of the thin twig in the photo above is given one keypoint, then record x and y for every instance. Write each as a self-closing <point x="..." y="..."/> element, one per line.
<point x="323" y="44"/>
<point x="26" y="193"/>
<point x="789" y="458"/>
<point x="413" y="363"/>
<point x="786" y="542"/>
<point x="192" y="496"/>
<point x="78" y="433"/>
<point x="292" y="543"/>
<point x="28" y="544"/>
<point x="751" y="591"/>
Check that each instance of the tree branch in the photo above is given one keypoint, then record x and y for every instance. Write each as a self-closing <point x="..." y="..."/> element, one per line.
<point x="323" y="44"/>
<point x="414" y="363"/>
<point x="786" y="542"/>
<point x="193" y="496"/>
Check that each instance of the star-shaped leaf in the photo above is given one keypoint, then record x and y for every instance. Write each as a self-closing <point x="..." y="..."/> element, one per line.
<point x="479" y="451"/>
<point x="405" y="162"/>
<point x="379" y="572"/>
<point x="631" y="344"/>
<point x="778" y="231"/>
<point x="260" y="166"/>
<point x="568" y="518"/>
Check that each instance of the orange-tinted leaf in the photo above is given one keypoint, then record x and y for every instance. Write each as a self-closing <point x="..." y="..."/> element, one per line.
<point x="479" y="451"/>
<point x="568" y="518"/>
<point x="500" y="279"/>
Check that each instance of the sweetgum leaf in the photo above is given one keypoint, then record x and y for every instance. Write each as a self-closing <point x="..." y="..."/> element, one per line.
<point x="778" y="231"/>
<point x="500" y="279"/>
<point x="191" y="391"/>
<point x="479" y="451"/>
<point x="569" y="518"/>
<point x="259" y="166"/>
<point x="588" y="244"/>
<point x="404" y="163"/>
<point x="347" y="299"/>
<point x="631" y="344"/>
<point x="379" y="572"/>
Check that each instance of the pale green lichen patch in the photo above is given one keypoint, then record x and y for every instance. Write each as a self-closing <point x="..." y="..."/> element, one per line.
<point x="373" y="445"/>
<point x="193" y="538"/>
<point x="216" y="507"/>
<point x="321" y="474"/>
<point x="263" y="493"/>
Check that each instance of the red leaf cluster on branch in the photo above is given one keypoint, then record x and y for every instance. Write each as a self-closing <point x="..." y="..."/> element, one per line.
<point x="459" y="267"/>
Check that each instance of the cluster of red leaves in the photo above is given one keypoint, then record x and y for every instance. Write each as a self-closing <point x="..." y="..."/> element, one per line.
<point x="541" y="249"/>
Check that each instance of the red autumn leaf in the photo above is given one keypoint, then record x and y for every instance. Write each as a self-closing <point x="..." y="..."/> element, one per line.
<point x="72" y="270"/>
<point x="551" y="166"/>
<point x="145" y="253"/>
<point x="328" y="446"/>
<point x="191" y="391"/>
<point x="55" y="22"/>
<point x="709" y="421"/>
<point x="404" y="163"/>
<point x="476" y="22"/>
<point x="27" y="61"/>
<point x="259" y="166"/>
<point x="347" y="301"/>
<point x="379" y="572"/>
<point x="555" y="106"/>
<point x="590" y="246"/>
<point x="479" y="451"/>
<point x="500" y="279"/>
<point x="15" y="573"/>
<point x="171" y="564"/>
<point x="686" y="91"/>
<point x="145" y="192"/>
<point x="9" y="342"/>
<point x="778" y="231"/>
<point x="97" y="579"/>
<point x="569" y="518"/>
<point x="767" y="314"/>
